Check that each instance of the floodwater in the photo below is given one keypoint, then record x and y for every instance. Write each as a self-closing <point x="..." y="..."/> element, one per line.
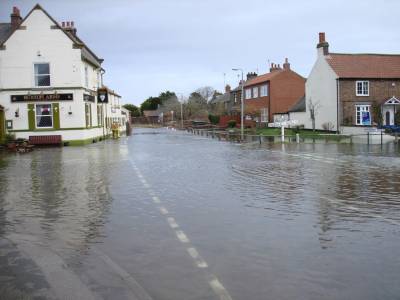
<point x="166" y="215"/>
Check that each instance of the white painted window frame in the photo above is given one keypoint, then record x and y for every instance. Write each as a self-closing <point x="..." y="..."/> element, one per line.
<point x="362" y="82"/>
<point x="266" y="90"/>
<point x="51" y="115"/>
<point x="247" y="93"/>
<point x="255" y="92"/>
<point x="368" y="110"/>
<point x="34" y="74"/>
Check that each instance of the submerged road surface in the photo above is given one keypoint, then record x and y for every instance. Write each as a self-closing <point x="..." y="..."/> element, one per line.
<point x="165" y="215"/>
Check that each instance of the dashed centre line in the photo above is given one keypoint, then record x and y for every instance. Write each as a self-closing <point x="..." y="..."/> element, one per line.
<point x="213" y="281"/>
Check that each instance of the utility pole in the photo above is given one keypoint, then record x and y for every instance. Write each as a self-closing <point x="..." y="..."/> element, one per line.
<point x="241" y="106"/>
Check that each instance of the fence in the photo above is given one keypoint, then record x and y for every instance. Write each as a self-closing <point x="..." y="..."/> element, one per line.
<point x="234" y="136"/>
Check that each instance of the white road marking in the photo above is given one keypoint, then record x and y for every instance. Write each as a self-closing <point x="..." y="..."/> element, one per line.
<point x="163" y="210"/>
<point x="172" y="223"/>
<point x="195" y="255"/>
<point x="219" y="289"/>
<point x="182" y="236"/>
<point x="156" y="200"/>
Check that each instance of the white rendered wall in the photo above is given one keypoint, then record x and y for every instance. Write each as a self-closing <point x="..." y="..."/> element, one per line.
<point x="321" y="88"/>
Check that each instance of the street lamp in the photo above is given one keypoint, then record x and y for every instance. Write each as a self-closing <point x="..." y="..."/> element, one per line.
<point x="241" y="106"/>
<point x="181" y="102"/>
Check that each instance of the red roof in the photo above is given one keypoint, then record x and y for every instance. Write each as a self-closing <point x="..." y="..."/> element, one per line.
<point x="263" y="78"/>
<point x="365" y="65"/>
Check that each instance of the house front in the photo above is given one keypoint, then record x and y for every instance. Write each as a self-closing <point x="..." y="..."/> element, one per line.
<point x="352" y="92"/>
<point x="271" y="93"/>
<point x="49" y="80"/>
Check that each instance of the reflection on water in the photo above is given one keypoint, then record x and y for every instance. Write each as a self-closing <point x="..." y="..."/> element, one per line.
<point x="308" y="221"/>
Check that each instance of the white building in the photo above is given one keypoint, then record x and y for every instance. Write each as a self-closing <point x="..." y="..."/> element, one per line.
<point x="352" y="92"/>
<point x="49" y="81"/>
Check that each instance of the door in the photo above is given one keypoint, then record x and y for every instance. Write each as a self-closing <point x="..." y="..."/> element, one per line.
<point x="387" y="118"/>
<point x="2" y="126"/>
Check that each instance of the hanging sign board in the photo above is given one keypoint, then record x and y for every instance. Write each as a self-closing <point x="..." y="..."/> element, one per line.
<point x="102" y="96"/>
<point x="88" y="98"/>
<point x="42" y="97"/>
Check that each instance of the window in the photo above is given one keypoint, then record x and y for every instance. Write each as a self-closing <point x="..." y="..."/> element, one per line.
<point x="44" y="116"/>
<point x="42" y="74"/>
<point x="362" y="88"/>
<point x="264" y="115"/>
<point x="363" y="115"/>
<point x="264" y="90"/>
<point x="86" y="76"/>
<point x="88" y="114"/>
<point x="255" y="92"/>
<point x="248" y="93"/>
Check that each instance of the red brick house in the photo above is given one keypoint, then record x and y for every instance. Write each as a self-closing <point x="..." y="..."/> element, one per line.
<point x="271" y="93"/>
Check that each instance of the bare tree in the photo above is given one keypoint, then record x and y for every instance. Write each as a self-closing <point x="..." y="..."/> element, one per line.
<point x="313" y="106"/>
<point x="207" y="92"/>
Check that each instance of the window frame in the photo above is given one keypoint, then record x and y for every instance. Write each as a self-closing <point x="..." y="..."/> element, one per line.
<point x="359" y="112"/>
<point x="247" y="95"/>
<point x="266" y="90"/>
<point x="362" y="82"/>
<point x="86" y="76"/>
<point x="255" y="95"/>
<point x="50" y="115"/>
<point x="35" y="75"/>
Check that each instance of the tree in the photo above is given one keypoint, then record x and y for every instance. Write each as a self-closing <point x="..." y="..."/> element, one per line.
<point x="134" y="110"/>
<point x="377" y="113"/>
<point x="150" y="103"/>
<point x="196" y="106"/>
<point x="313" y="106"/>
<point x="206" y="92"/>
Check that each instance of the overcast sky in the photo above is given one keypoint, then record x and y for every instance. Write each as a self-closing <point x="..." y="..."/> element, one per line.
<point x="151" y="46"/>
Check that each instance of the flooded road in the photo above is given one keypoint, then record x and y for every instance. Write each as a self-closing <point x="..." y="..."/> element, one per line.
<point x="166" y="215"/>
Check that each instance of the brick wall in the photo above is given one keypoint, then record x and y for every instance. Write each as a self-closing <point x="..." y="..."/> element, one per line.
<point x="285" y="90"/>
<point x="379" y="91"/>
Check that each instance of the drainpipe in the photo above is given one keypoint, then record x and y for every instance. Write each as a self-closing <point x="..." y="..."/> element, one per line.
<point x="337" y="106"/>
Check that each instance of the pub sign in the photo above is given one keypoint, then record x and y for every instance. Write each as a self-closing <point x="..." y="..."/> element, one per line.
<point x="42" y="97"/>
<point x="102" y="96"/>
<point x="87" y="97"/>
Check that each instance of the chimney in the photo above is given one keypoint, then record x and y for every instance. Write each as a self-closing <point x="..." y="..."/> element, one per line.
<point x="69" y="26"/>
<point x="251" y="75"/>
<point x="227" y="89"/>
<point x="16" y="19"/>
<point x="274" y="67"/>
<point x="286" y="65"/>
<point x="323" y="46"/>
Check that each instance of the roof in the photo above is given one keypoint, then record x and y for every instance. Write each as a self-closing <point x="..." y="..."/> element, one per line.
<point x="151" y="113"/>
<point x="364" y="65"/>
<point x="221" y="98"/>
<point x="299" y="106"/>
<point x="87" y="54"/>
<point x="263" y="78"/>
<point x="5" y="30"/>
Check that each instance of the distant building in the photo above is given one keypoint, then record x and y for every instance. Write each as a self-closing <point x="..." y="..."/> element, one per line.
<point x="50" y="81"/>
<point x="350" y="89"/>
<point x="268" y="94"/>
<point x="221" y="104"/>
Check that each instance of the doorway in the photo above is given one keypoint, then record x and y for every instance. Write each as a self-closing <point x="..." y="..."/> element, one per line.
<point x="2" y="125"/>
<point x="387" y="118"/>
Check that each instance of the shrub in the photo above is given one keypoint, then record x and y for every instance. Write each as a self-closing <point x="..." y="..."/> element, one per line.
<point x="328" y="126"/>
<point x="232" y="123"/>
<point x="213" y="119"/>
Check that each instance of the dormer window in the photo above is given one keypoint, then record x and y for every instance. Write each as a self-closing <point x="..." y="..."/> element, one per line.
<point x="362" y="88"/>
<point x="42" y="74"/>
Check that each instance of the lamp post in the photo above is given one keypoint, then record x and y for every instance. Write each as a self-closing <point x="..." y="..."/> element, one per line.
<point x="242" y="105"/>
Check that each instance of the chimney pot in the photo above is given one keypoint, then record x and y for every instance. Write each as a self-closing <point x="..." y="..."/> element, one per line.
<point x="286" y="65"/>
<point x="322" y="37"/>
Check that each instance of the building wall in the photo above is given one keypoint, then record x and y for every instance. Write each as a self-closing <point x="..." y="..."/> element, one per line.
<point x="286" y="89"/>
<point x="254" y="105"/>
<point x="380" y="90"/>
<point x="321" y="89"/>
<point x="37" y="42"/>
